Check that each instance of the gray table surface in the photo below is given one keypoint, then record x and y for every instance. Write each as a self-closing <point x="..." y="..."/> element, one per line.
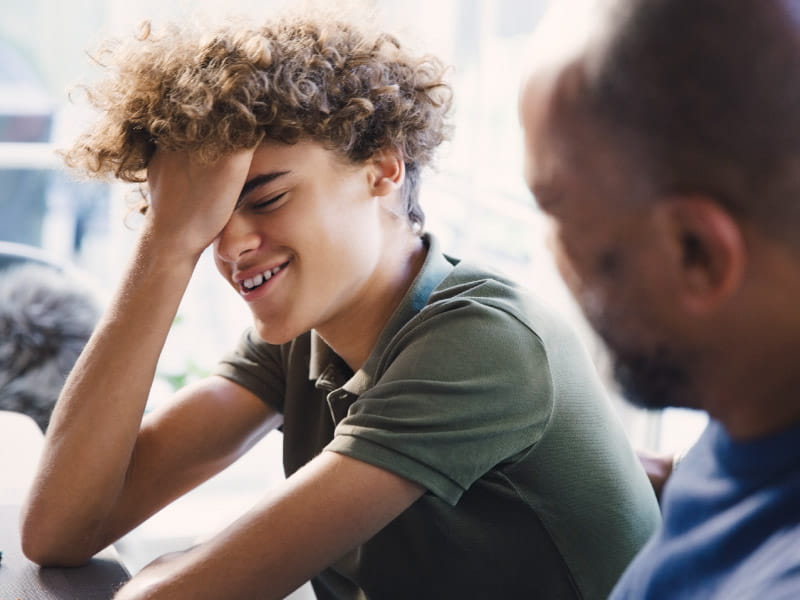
<point x="20" y="579"/>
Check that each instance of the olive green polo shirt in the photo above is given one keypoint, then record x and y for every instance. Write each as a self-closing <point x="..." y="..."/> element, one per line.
<point x="478" y="393"/>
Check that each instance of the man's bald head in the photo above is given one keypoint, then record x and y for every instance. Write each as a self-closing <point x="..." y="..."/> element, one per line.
<point x="703" y="96"/>
<point x="662" y="137"/>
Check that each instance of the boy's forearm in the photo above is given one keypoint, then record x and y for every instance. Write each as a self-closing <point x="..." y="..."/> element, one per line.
<point x="328" y="507"/>
<point x="93" y="430"/>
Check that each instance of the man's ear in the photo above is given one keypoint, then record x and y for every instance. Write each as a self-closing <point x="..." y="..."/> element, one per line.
<point x="387" y="172"/>
<point x="709" y="250"/>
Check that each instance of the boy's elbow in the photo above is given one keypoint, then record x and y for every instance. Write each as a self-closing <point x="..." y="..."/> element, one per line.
<point x="47" y="550"/>
<point x="46" y="556"/>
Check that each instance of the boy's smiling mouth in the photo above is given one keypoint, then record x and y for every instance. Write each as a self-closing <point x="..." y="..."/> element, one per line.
<point x="259" y="279"/>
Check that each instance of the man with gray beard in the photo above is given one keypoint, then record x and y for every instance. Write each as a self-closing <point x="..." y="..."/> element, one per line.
<point x="663" y="140"/>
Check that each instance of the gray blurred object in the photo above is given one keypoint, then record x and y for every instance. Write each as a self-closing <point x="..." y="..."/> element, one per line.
<point x="26" y="115"/>
<point x="47" y="314"/>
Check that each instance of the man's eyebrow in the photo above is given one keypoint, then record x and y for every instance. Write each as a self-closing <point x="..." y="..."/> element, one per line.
<point x="259" y="180"/>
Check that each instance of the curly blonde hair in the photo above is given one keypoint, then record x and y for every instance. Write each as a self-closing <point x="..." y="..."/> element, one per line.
<point x="354" y="90"/>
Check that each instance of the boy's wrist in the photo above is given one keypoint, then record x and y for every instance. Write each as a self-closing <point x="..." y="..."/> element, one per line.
<point x="168" y="248"/>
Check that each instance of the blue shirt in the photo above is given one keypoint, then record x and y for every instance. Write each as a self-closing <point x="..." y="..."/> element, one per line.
<point x="731" y="524"/>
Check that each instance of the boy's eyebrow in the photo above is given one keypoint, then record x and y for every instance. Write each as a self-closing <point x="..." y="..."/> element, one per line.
<point x="258" y="180"/>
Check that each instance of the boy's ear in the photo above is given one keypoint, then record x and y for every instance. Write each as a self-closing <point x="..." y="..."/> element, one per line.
<point x="387" y="172"/>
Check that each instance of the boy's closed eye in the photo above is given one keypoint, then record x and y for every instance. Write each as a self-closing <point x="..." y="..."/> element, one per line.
<point x="268" y="203"/>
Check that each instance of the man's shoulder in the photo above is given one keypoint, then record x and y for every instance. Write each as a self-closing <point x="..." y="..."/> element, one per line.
<point x="771" y="571"/>
<point x="724" y="536"/>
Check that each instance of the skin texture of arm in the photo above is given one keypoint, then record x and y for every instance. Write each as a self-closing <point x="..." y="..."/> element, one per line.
<point x="95" y="476"/>
<point x="326" y="508"/>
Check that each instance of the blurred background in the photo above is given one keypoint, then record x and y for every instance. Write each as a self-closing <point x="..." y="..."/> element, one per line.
<point x="475" y="199"/>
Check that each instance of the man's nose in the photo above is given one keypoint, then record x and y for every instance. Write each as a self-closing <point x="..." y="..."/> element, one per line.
<point x="236" y="239"/>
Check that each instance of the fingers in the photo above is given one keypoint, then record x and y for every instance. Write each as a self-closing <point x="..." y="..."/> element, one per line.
<point x="191" y="201"/>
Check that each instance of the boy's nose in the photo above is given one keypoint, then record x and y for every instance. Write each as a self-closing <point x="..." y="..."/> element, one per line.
<point x="236" y="239"/>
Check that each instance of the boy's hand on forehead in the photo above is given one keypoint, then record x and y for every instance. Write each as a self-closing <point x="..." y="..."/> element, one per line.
<point x="190" y="201"/>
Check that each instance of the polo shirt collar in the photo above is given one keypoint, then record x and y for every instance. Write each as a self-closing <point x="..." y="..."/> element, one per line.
<point x="320" y="356"/>
<point x="325" y="363"/>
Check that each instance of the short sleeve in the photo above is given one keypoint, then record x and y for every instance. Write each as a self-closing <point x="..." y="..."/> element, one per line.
<point x="258" y="367"/>
<point x="463" y="387"/>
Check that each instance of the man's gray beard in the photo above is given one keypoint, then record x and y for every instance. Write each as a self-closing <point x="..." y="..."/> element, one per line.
<point x="652" y="379"/>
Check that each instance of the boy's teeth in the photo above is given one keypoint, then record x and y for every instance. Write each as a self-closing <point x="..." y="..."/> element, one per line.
<point x="257" y="280"/>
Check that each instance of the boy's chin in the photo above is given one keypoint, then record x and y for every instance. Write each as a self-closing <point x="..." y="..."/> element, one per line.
<point x="273" y="334"/>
